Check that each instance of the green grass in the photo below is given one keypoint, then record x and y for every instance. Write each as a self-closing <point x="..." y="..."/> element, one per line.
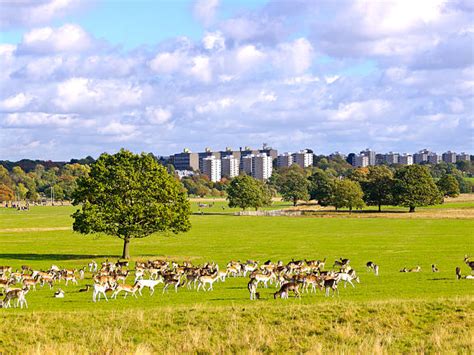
<point x="391" y="243"/>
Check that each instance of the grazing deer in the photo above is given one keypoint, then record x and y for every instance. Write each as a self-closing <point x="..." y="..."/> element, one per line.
<point x="203" y="280"/>
<point x="175" y="280"/>
<point x="18" y="294"/>
<point x="151" y="284"/>
<point x="347" y="278"/>
<point x="70" y="277"/>
<point x="376" y="270"/>
<point x="312" y="280"/>
<point x="415" y="269"/>
<point x="100" y="289"/>
<point x="252" y="287"/>
<point x="331" y="284"/>
<point x="459" y="276"/>
<point x="92" y="266"/>
<point x="434" y="268"/>
<point x="127" y="289"/>
<point x="265" y="278"/>
<point x="370" y="265"/>
<point x="30" y="283"/>
<point x="341" y="263"/>
<point x="286" y="288"/>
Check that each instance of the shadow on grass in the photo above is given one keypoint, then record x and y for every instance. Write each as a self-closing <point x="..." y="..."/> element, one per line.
<point x="53" y="256"/>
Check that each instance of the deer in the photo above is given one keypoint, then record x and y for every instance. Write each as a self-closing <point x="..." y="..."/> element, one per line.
<point x="434" y="268"/>
<point x="151" y="284"/>
<point x="341" y="263"/>
<point x="415" y="269"/>
<point x="347" y="278"/>
<point x="284" y="290"/>
<point x="127" y="289"/>
<point x="252" y="287"/>
<point x="459" y="276"/>
<point x="203" y="280"/>
<point x="59" y="294"/>
<point x="100" y="289"/>
<point x="174" y="280"/>
<point x="259" y="277"/>
<point x="18" y="294"/>
<point x="330" y="284"/>
<point x="370" y="265"/>
<point x="310" y="280"/>
<point x="70" y="277"/>
<point x="92" y="266"/>
<point x="469" y="262"/>
<point x="85" y="289"/>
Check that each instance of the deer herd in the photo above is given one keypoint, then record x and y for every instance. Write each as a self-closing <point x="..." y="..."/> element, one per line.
<point x="296" y="277"/>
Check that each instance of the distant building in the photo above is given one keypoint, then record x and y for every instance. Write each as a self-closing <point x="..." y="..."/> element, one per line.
<point x="380" y="159"/>
<point x="284" y="160"/>
<point x="273" y="153"/>
<point x="246" y="164"/>
<point x="230" y="166"/>
<point x="337" y="155"/>
<point x="392" y="158"/>
<point x="449" y="157"/>
<point x="463" y="157"/>
<point x="303" y="158"/>
<point x="206" y="154"/>
<point x="262" y="166"/>
<point x="360" y="161"/>
<point x="421" y="156"/>
<point x="405" y="159"/>
<point x="434" y="158"/>
<point x="369" y="154"/>
<point x="211" y="167"/>
<point x="185" y="160"/>
<point x="184" y="173"/>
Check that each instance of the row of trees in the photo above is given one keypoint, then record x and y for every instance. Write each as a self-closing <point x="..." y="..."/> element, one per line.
<point x="410" y="186"/>
<point x="40" y="182"/>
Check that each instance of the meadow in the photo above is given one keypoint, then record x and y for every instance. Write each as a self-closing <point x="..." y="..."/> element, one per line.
<point x="394" y="312"/>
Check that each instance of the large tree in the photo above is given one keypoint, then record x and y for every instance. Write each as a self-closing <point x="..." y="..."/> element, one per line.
<point x="244" y="191"/>
<point x="6" y="194"/>
<point x="321" y="186"/>
<point x="414" y="187"/>
<point x="293" y="185"/>
<point x="378" y="186"/>
<point x="448" y="186"/>
<point x="130" y="196"/>
<point x="347" y="193"/>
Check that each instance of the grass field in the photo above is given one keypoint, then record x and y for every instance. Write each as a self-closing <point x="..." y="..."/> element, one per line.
<point x="395" y="312"/>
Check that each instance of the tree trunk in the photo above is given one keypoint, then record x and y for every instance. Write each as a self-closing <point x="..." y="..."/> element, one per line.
<point x="295" y="202"/>
<point x="126" y="248"/>
<point x="350" y="210"/>
<point x="380" y="207"/>
<point x="412" y="209"/>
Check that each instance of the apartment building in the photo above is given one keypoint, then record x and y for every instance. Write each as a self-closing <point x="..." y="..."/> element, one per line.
<point x="303" y="158"/>
<point x="185" y="160"/>
<point x="360" y="161"/>
<point x="449" y="157"/>
<point x="370" y="154"/>
<point x="211" y="167"/>
<point x="284" y="160"/>
<point x="262" y="166"/>
<point x="392" y="158"/>
<point x="421" y="156"/>
<point x="405" y="159"/>
<point x="230" y="166"/>
<point x="434" y="158"/>
<point x="463" y="157"/>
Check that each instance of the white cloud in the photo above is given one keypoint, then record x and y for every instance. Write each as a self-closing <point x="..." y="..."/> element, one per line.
<point x="215" y="106"/>
<point x="214" y="41"/>
<point x="157" y="115"/>
<point x="46" y="40"/>
<point x="38" y="119"/>
<point x="168" y="62"/>
<point x="16" y="102"/>
<point x="205" y="11"/>
<point x="295" y="57"/>
<point x="201" y="69"/>
<point x="248" y="57"/>
<point x="359" y="111"/>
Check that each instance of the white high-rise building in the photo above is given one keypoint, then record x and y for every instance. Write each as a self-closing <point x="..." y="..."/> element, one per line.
<point x="262" y="166"/>
<point x="211" y="166"/>
<point x="230" y="166"/>
<point x="360" y="161"/>
<point x="303" y="158"/>
<point x="392" y="158"/>
<point x="370" y="154"/>
<point x="284" y="160"/>
<point x="421" y="156"/>
<point x="405" y="159"/>
<point x="449" y="157"/>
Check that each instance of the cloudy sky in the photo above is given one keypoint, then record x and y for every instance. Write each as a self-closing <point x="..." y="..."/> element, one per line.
<point x="79" y="78"/>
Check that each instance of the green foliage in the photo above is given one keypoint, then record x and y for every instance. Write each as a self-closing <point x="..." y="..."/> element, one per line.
<point x="293" y="185"/>
<point x="378" y="186"/>
<point x="414" y="187"/>
<point x="347" y="193"/>
<point x="244" y="191"/>
<point x="130" y="196"/>
<point x="321" y="186"/>
<point x="6" y="193"/>
<point x="448" y="186"/>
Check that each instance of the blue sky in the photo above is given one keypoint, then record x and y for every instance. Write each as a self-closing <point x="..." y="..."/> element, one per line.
<point x="83" y="77"/>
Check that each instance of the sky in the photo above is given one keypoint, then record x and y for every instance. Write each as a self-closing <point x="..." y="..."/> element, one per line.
<point x="80" y="78"/>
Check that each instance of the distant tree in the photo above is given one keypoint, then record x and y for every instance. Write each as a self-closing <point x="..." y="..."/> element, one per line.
<point x="320" y="187"/>
<point x="21" y="191"/>
<point x="378" y="186"/>
<point x="293" y="185"/>
<point x="5" y="178"/>
<point x="6" y="193"/>
<point x="130" y="196"/>
<point x="347" y="193"/>
<point x="244" y="191"/>
<point x="414" y="187"/>
<point x="448" y="186"/>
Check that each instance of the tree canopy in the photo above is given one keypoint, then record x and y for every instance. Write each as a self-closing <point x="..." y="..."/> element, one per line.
<point x="378" y="186"/>
<point x="320" y="187"/>
<point x="414" y="187"/>
<point x="129" y="196"/>
<point x="347" y="193"/>
<point x="448" y="186"/>
<point x="244" y="191"/>
<point x="293" y="185"/>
